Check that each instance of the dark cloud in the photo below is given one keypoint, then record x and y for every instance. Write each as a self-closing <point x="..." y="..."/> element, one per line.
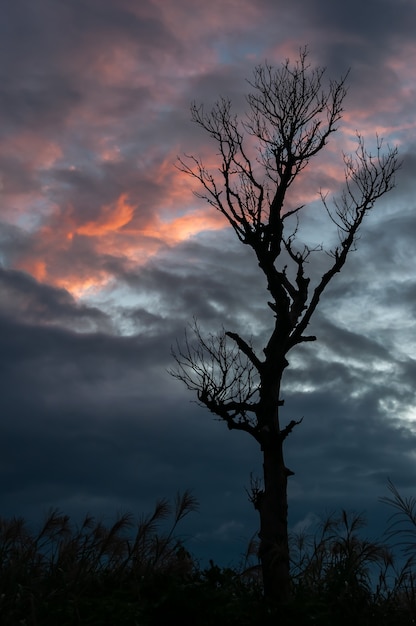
<point x="52" y="49"/>
<point x="91" y="423"/>
<point x="23" y="298"/>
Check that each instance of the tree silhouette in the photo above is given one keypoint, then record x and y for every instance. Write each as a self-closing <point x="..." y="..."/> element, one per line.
<point x="291" y="115"/>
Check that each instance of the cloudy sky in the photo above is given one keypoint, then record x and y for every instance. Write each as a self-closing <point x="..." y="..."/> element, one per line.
<point x="106" y="255"/>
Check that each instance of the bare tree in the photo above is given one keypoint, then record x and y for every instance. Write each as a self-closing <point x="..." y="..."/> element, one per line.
<point x="291" y="115"/>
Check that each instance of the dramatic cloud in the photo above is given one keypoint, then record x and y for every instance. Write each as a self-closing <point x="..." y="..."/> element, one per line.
<point x="106" y="255"/>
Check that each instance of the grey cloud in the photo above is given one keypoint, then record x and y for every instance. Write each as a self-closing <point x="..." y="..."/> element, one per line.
<point x="14" y="242"/>
<point x="207" y="278"/>
<point x="16" y="178"/>
<point x="354" y="17"/>
<point x="86" y="428"/>
<point x="342" y="441"/>
<point x="36" y="103"/>
<point x="23" y="298"/>
<point x="52" y="48"/>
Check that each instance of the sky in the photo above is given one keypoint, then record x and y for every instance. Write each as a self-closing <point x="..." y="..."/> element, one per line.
<point x="106" y="255"/>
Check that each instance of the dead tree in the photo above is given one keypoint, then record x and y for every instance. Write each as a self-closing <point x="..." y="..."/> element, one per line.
<point x="291" y="115"/>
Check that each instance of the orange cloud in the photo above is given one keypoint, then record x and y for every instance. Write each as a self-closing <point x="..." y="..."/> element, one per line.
<point x="111" y="219"/>
<point x="38" y="270"/>
<point x="177" y="230"/>
<point x="81" y="286"/>
<point x="74" y="255"/>
<point x="136" y="246"/>
<point x="53" y="257"/>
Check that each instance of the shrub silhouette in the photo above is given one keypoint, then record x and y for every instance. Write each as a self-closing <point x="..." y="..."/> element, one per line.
<point x="72" y="568"/>
<point x="133" y="573"/>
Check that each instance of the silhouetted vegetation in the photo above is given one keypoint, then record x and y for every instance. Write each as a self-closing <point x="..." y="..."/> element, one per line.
<point x="141" y="574"/>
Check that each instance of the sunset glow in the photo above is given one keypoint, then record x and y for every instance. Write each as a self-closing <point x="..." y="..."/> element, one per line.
<point x="144" y="217"/>
<point x="111" y="219"/>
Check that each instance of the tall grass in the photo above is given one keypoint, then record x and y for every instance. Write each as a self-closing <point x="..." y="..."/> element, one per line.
<point x="138" y="573"/>
<point x="61" y="569"/>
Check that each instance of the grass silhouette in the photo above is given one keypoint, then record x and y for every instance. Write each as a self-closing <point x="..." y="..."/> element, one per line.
<point x="139" y="573"/>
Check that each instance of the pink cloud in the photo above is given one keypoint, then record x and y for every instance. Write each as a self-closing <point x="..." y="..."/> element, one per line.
<point x="111" y="218"/>
<point x="101" y="183"/>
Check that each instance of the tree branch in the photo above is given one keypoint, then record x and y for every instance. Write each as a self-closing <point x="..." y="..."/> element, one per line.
<point x="368" y="178"/>
<point x="245" y="349"/>
<point x="288" y="429"/>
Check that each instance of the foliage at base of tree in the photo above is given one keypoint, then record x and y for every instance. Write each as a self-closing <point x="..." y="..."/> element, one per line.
<point x="98" y="575"/>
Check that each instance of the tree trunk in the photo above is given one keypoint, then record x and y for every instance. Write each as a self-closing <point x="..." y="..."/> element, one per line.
<point x="272" y="505"/>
